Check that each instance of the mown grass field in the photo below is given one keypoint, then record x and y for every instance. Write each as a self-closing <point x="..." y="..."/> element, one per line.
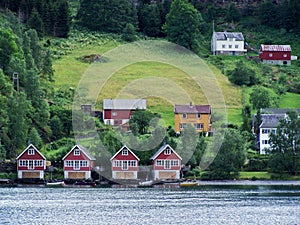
<point x="69" y="69"/>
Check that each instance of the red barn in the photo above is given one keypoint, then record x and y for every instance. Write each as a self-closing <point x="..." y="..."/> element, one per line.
<point x="124" y="164"/>
<point x="78" y="163"/>
<point x="166" y="163"/>
<point x="276" y="54"/>
<point x="31" y="163"/>
<point x="117" y="112"/>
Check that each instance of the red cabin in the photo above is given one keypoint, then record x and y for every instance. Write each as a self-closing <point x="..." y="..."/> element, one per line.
<point x="166" y="163"/>
<point x="117" y="112"/>
<point x="275" y="54"/>
<point x="124" y="164"/>
<point x="31" y="163"/>
<point x="78" y="163"/>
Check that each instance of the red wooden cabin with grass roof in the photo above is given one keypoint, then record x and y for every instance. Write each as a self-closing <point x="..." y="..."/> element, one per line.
<point x="31" y="164"/>
<point x="78" y="163"/>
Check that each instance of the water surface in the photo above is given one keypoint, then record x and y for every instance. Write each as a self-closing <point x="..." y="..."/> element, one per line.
<point x="202" y="205"/>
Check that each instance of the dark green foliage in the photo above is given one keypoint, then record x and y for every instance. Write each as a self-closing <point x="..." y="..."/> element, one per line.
<point x="8" y="47"/>
<point x="140" y="121"/>
<point x="242" y="75"/>
<point x="106" y="15"/>
<point x="183" y="25"/>
<point x="233" y="14"/>
<point x="262" y="97"/>
<point x="35" y="22"/>
<point x="231" y="156"/>
<point x="129" y="33"/>
<point x="150" y="20"/>
<point x="285" y="145"/>
<point x="34" y="138"/>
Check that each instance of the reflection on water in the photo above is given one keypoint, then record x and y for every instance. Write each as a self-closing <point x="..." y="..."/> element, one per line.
<point x="206" y="204"/>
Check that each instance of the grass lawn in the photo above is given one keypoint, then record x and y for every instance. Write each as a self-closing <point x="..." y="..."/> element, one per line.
<point x="290" y="100"/>
<point x="254" y="175"/>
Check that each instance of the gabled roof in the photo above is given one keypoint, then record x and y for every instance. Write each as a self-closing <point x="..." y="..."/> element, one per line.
<point x="124" y="104"/>
<point x="225" y="35"/>
<point x="271" y="120"/>
<point x="277" y="110"/>
<point x="276" y="48"/>
<point x="28" y="147"/>
<point x="192" y="109"/>
<point x="118" y="152"/>
<point x="162" y="148"/>
<point x="83" y="150"/>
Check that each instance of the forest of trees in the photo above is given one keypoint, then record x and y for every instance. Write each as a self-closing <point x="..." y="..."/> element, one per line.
<point x="27" y="112"/>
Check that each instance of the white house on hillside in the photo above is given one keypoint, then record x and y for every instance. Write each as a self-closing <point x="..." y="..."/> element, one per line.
<point x="227" y="43"/>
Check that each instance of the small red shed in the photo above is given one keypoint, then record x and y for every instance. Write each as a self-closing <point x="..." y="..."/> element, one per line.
<point x="166" y="163"/>
<point x="31" y="163"/>
<point x="276" y="54"/>
<point x="124" y="164"/>
<point x="78" y="163"/>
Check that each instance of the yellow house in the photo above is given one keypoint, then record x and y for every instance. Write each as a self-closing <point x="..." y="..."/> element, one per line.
<point x="196" y="115"/>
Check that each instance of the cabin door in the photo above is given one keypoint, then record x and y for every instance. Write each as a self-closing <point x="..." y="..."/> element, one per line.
<point x="125" y="165"/>
<point x="30" y="165"/>
<point x="76" y="165"/>
<point x="167" y="164"/>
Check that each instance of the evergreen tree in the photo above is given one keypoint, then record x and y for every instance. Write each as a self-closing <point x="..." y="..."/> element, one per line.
<point x="262" y="97"/>
<point x="233" y="14"/>
<point x="129" y="32"/>
<point x="8" y="47"/>
<point x="34" y="138"/>
<point x="183" y="25"/>
<point x="150" y="20"/>
<point x="36" y="22"/>
<point x="63" y="20"/>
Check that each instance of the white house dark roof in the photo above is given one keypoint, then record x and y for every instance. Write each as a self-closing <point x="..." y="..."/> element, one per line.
<point x="192" y="109"/>
<point x="271" y="120"/>
<point x="162" y="148"/>
<point x="130" y="104"/>
<point x="83" y="150"/>
<point x="28" y="147"/>
<point x="276" y="48"/>
<point x="225" y="35"/>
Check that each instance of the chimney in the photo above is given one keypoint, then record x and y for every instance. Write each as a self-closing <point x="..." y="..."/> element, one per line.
<point x="191" y="105"/>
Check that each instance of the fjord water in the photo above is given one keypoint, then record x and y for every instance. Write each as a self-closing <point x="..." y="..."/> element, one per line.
<point x="200" y="205"/>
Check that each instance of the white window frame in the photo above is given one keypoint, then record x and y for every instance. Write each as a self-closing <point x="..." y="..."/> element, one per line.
<point x="125" y="152"/>
<point x="76" y="165"/>
<point x="199" y="126"/>
<point x="167" y="164"/>
<point x="174" y="162"/>
<point x="38" y="163"/>
<point x="30" y="151"/>
<point x="23" y="162"/>
<point x="167" y="151"/>
<point x="184" y="116"/>
<point x="236" y="46"/>
<point x="125" y="165"/>
<point x="223" y="46"/>
<point x="69" y="163"/>
<point x="30" y="164"/>
<point x="84" y="163"/>
<point x="114" y="114"/>
<point x="132" y="163"/>
<point x="117" y="163"/>
<point x="270" y="54"/>
<point x="76" y="152"/>
<point x="265" y="131"/>
<point x="198" y="115"/>
<point x="159" y="162"/>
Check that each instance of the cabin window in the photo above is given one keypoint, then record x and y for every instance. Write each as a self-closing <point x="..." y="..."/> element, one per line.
<point x="159" y="162"/>
<point x="182" y="125"/>
<point x="132" y="163"/>
<point x="83" y="163"/>
<point x="236" y="46"/>
<point x="199" y="126"/>
<point x="31" y="151"/>
<point x="223" y="46"/>
<point x="270" y="54"/>
<point x="76" y="152"/>
<point x="285" y="55"/>
<point x="117" y="163"/>
<point x="265" y="131"/>
<point x="174" y="163"/>
<point x="198" y="115"/>
<point x="125" y="152"/>
<point x="229" y="46"/>
<point x="69" y="163"/>
<point x="23" y="163"/>
<point x="274" y="131"/>
<point x="184" y="115"/>
<point x="114" y="114"/>
<point x="38" y="162"/>
<point x="265" y="142"/>
<point x="167" y="151"/>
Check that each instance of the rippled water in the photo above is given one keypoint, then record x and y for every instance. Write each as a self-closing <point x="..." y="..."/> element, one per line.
<point x="201" y="205"/>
